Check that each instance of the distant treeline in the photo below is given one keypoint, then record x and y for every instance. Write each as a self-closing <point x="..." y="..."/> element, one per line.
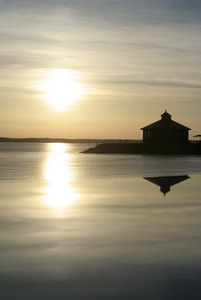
<point x="62" y="140"/>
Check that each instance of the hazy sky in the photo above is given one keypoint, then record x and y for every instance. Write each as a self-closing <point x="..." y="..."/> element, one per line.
<point x="131" y="59"/>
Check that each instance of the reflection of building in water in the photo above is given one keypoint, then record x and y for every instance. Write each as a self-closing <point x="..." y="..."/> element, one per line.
<point x="166" y="182"/>
<point x="59" y="192"/>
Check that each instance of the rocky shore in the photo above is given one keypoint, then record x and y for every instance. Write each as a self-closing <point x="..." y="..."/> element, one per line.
<point x="140" y="148"/>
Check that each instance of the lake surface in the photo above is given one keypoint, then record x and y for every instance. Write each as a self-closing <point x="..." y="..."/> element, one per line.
<point x="91" y="226"/>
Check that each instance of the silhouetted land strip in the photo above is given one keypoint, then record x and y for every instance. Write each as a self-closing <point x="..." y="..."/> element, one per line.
<point x="140" y="148"/>
<point x="58" y="140"/>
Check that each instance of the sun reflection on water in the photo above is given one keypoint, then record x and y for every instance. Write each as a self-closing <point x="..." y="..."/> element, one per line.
<point x="59" y="193"/>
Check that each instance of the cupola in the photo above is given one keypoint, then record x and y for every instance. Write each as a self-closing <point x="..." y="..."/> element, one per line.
<point x="166" y="116"/>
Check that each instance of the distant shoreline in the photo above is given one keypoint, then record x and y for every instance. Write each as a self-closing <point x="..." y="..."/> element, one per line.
<point x="63" y="140"/>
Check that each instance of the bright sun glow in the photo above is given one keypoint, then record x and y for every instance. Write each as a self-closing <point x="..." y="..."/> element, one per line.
<point x="59" y="193"/>
<point x="61" y="88"/>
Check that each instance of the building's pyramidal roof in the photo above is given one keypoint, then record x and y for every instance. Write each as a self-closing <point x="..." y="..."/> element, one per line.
<point x="166" y="123"/>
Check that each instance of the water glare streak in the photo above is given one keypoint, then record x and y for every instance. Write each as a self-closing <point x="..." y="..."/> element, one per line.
<point x="59" y="192"/>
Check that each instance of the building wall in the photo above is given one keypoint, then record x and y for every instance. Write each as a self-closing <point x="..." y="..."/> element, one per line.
<point x="165" y="136"/>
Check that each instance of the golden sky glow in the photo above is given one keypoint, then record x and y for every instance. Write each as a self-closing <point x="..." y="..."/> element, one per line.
<point x="103" y="69"/>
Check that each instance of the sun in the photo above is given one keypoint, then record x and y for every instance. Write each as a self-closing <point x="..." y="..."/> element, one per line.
<point x="61" y="88"/>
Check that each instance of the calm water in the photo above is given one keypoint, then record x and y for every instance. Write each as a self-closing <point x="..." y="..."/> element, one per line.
<point x="81" y="226"/>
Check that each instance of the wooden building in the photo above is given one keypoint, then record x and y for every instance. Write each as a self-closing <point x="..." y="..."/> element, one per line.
<point x="165" y="132"/>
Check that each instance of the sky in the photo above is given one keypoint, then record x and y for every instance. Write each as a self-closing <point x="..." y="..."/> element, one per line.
<point x="98" y="68"/>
